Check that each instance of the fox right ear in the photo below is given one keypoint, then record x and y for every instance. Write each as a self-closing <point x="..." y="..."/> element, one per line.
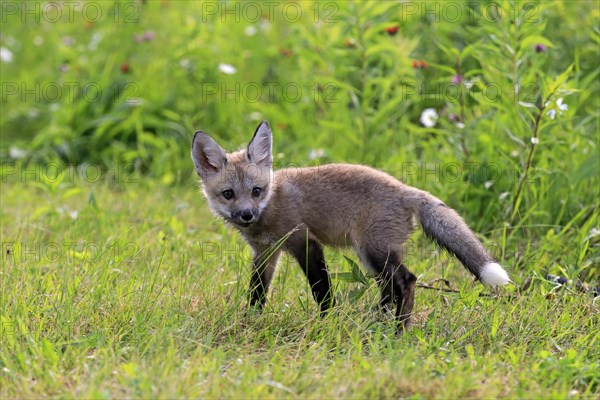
<point x="207" y="155"/>
<point x="260" y="147"/>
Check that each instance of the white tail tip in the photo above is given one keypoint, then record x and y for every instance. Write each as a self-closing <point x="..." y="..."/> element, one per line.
<point x="493" y="274"/>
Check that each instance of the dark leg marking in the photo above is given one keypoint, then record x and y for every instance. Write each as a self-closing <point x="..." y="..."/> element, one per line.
<point x="262" y="275"/>
<point x="397" y="284"/>
<point x="387" y="293"/>
<point x="310" y="257"/>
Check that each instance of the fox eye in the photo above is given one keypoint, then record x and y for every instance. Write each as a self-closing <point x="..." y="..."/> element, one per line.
<point x="228" y="194"/>
<point x="256" y="191"/>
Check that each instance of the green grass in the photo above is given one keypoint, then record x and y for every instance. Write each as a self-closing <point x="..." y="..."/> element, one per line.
<point x="143" y="295"/>
<point x="117" y="282"/>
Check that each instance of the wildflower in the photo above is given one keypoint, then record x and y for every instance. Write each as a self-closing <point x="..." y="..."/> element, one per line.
<point x="392" y="30"/>
<point x="429" y="117"/>
<point x="250" y="30"/>
<point x="503" y="195"/>
<point x="559" y="106"/>
<point x="148" y="36"/>
<point x="68" y="41"/>
<point x="350" y="43"/>
<point x="17" y="153"/>
<point x="255" y="116"/>
<point x="184" y="63"/>
<point x="453" y="117"/>
<point x="125" y="68"/>
<point x="286" y="52"/>
<point x="422" y="64"/>
<point x="96" y="38"/>
<point x="540" y="48"/>
<point x="460" y="125"/>
<point x="457" y="79"/>
<point x="316" y="153"/>
<point x="264" y="25"/>
<point x="535" y="140"/>
<point x="6" y="56"/>
<point x="227" y="69"/>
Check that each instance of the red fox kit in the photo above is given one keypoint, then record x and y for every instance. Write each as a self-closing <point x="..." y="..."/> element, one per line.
<point x="298" y="210"/>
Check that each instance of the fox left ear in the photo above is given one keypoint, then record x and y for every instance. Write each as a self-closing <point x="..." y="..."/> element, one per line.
<point x="260" y="147"/>
<point x="207" y="155"/>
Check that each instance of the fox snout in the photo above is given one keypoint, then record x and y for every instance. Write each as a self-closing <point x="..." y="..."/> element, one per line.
<point x="245" y="217"/>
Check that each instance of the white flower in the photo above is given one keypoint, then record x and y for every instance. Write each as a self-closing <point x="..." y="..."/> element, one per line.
<point x="96" y="39"/>
<point x="316" y="153"/>
<point x="559" y="106"/>
<point x="460" y="125"/>
<point x="250" y="30"/>
<point x="535" y="140"/>
<point x="227" y="69"/>
<point x="184" y="63"/>
<point x="488" y="184"/>
<point x="429" y="117"/>
<point x="6" y="55"/>
<point x="255" y="116"/>
<point x="16" y="153"/>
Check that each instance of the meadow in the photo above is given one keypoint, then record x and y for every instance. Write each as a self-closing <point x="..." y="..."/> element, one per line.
<point x="118" y="282"/>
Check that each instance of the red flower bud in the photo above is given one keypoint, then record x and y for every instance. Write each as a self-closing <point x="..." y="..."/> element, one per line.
<point x="125" y="68"/>
<point x="392" y="30"/>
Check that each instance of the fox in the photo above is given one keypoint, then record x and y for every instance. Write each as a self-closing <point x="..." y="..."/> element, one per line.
<point x="299" y="210"/>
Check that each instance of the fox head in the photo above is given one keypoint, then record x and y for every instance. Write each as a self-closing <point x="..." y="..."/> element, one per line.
<point x="237" y="185"/>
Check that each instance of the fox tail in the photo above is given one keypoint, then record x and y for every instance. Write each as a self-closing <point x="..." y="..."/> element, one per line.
<point x="450" y="231"/>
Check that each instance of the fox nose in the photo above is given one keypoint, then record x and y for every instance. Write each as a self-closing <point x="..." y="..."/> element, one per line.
<point x="247" y="215"/>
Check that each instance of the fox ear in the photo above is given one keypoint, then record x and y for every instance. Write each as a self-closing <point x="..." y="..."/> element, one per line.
<point x="260" y="147"/>
<point x="207" y="155"/>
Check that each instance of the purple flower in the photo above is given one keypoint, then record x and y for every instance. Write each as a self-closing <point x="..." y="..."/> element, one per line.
<point x="68" y="41"/>
<point x="148" y="36"/>
<point x="540" y="48"/>
<point x="457" y="79"/>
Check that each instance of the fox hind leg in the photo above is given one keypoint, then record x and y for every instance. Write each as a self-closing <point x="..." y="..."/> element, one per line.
<point x="387" y="292"/>
<point x="397" y="283"/>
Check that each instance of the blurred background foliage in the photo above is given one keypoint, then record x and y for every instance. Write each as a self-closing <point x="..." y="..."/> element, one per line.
<point x="127" y="83"/>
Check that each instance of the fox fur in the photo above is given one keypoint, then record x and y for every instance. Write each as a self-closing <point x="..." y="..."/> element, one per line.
<point x="298" y="210"/>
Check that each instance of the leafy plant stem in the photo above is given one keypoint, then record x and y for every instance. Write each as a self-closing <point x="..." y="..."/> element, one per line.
<point x="529" y="162"/>
<point x="463" y="143"/>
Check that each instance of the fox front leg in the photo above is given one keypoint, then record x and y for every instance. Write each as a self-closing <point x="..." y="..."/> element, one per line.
<point x="309" y="255"/>
<point x="263" y="268"/>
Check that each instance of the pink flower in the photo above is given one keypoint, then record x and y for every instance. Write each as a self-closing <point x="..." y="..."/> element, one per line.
<point x="457" y="79"/>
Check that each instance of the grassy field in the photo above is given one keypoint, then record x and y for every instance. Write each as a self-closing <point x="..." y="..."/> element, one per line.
<point x="118" y="282"/>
